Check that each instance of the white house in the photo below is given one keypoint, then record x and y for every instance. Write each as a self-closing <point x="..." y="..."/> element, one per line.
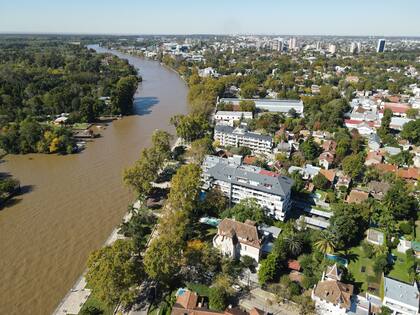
<point x="236" y="239"/>
<point x="400" y="297"/>
<point x="331" y="296"/>
<point x="229" y="117"/>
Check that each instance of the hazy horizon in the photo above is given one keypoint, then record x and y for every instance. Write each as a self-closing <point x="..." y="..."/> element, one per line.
<point x="162" y="17"/>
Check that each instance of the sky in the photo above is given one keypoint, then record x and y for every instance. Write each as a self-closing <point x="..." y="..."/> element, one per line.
<point x="289" y="17"/>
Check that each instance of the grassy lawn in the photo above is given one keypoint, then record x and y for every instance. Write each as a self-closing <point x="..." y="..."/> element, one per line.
<point x="400" y="268"/>
<point x="201" y="289"/>
<point x="81" y="126"/>
<point x="94" y="302"/>
<point x="418" y="231"/>
<point x="357" y="262"/>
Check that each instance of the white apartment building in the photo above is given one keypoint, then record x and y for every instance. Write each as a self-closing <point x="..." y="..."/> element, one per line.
<point x="237" y="182"/>
<point x="400" y="297"/>
<point x="240" y="137"/>
<point x="229" y="117"/>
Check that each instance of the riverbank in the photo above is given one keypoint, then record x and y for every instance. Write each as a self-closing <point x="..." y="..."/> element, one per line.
<point x="75" y="201"/>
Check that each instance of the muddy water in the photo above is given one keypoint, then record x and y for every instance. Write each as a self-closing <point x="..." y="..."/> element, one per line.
<point x="71" y="203"/>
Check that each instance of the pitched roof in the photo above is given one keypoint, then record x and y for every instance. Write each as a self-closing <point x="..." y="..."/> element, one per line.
<point x="409" y="173"/>
<point x="334" y="292"/>
<point x="357" y="196"/>
<point x="374" y="155"/>
<point x="378" y="189"/>
<point x="388" y="168"/>
<point x="329" y="174"/>
<point x="333" y="273"/>
<point x="293" y="264"/>
<point x="329" y="145"/>
<point x="245" y="233"/>
<point x="328" y="156"/>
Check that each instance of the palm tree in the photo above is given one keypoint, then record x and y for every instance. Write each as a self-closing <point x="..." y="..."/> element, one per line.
<point x="294" y="244"/>
<point x="326" y="243"/>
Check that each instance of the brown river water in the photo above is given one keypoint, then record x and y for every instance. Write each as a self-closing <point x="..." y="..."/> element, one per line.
<point x="71" y="203"/>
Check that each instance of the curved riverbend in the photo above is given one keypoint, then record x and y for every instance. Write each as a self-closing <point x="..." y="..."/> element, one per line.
<point x="72" y="203"/>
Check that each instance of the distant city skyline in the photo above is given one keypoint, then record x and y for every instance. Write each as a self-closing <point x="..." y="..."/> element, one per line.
<point x="266" y="17"/>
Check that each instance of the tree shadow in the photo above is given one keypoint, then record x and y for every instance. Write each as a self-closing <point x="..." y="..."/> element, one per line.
<point x="12" y="200"/>
<point x="143" y="105"/>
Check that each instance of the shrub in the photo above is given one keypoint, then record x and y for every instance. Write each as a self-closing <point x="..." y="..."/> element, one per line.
<point x="406" y="227"/>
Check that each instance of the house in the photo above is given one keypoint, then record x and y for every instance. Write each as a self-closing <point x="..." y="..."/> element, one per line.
<point x="284" y="148"/>
<point x="230" y="117"/>
<point x="329" y="174"/>
<point x="326" y="159"/>
<point x="375" y="237"/>
<point x="294" y="265"/>
<point x="400" y="297"/>
<point x="386" y="168"/>
<point x="398" y="109"/>
<point x="308" y="171"/>
<point x="410" y="173"/>
<point x="329" y="145"/>
<point x="373" y="157"/>
<point x="190" y="303"/>
<point x="331" y="296"/>
<point x="343" y="181"/>
<point x="364" y="128"/>
<point x="403" y="245"/>
<point x="378" y="190"/>
<point x="271" y="105"/>
<point x="236" y="239"/>
<point x="241" y="137"/>
<point x="357" y="196"/>
<point x="373" y="142"/>
<point x="416" y="248"/>
<point x="237" y="181"/>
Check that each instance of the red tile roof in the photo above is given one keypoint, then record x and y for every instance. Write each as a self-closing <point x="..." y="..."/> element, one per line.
<point x="293" y="265"/>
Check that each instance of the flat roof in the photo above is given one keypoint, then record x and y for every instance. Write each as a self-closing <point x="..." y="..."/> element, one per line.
<point x="402" y="292"/>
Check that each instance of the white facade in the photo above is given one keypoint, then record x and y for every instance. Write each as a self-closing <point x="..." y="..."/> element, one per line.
<point x="226" y="245"/>
<point x="237" y="182"/>
<point x="228" y="117"/>
<point x="239" y="137"/>
<point x="324" y="307"/>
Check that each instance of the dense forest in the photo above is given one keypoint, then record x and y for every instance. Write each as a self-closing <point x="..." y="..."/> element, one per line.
<point x="43" y="78"/>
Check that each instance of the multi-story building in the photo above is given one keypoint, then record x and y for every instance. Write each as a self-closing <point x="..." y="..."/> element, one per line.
<point x="381" y="46"/>
<point x="271" y="105"/>
<point x="230" y="117"/>
<point x="241" y="137"/>
<point x="400" y="297"/>
<point x="238" y="181"/>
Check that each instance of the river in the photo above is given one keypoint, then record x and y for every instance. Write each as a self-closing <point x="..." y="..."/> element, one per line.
<point x="71" y="203"/>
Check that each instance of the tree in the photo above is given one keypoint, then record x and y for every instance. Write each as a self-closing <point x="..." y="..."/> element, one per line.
<point x="246" y="209"/>
<point x="163" y="258"/>
<point x="248" y="89"/>
<point x="200" y="148"/>
<point x="326" y="243"/>
<point x="122" y="100"/>
<point x="411" y="131"/>
<point x="412" y="113"/>
<point x="309" y="149"/>
<point x="385" y="130"/>
<point x="190" y="127"/>
<point x="113" y="274"/>
<point x="298" y="182"/>
<point x="347" y="224"/>
<point x="399" y="202"/>
<point x="217" y="299"/>
<point x="247" y="106"/>
<point x="294" y="243"/>
<point x="353" y="165"/>
<point x="404" y="158"/>
<point x="320" y="181"/>
<point x="87" y="109"/>
<point x="185" y="188"/>
<point x="215" y="202"/>
<point x="268" y="269"/>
